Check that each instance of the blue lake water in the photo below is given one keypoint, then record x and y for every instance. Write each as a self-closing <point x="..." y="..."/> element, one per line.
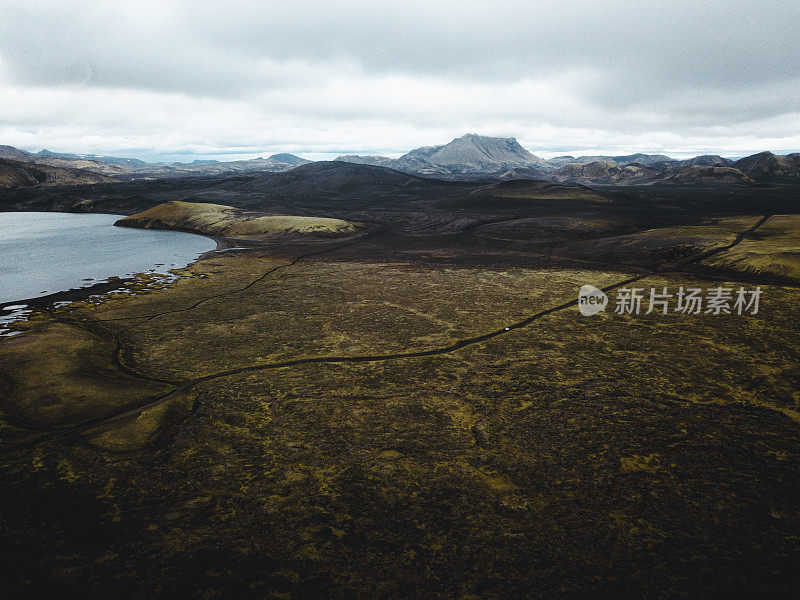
<point x="42" y="253"/>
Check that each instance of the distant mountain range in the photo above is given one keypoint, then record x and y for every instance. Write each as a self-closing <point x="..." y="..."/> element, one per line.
<point x="15" y="173"/>
<point x="124" y="169"/>
<point x="468" y="157"/>
<point x="504" y="158"/>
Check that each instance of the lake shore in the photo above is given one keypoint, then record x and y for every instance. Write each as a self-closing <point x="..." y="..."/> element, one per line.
<point x="84" y="255"/>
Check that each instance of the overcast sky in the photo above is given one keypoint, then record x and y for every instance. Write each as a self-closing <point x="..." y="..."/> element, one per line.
<point x="173" y="79"/>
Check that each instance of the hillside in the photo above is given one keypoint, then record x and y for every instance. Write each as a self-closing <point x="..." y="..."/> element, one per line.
<point x="639" y="158"/>
<point x="375" y="161"/>
<point x="523" y="195"/>
<point x="767" y="165"/>
<point x="15" y="175"/>
<point x="710" y="174"/>
<point x="129" y="168"/>
<point x="336" y="178"/>
<point x="19" y="174"/>
<point x="611" y="173"/>
<point x="709" y="160"/>
<point x="273" y="164"/>
<point x="605" y="172"/>
<point x="226" y="221"/>
<point x="11" y="153"/>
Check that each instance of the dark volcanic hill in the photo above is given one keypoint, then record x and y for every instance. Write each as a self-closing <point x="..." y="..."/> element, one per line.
<point x="639" y="158"/>
<point x="62" y="161"/>
<point x="599" y="169"/>
<point x="767" y="165"/>
<point x="337" y="178"/>
<point x="524" y="194"/>
<point x="709" y="160"/>
<point x="643" y="159"/>
<point x="709" y="174"/>
<point x="12" y="153"/>
<point x="20" y="174"/>
<point x="128" y="163"/>
<point x="610" y="173"/>
<point x="273" y="164"/>
<point x="606" y="172"/>
<point x="16" y="174"/>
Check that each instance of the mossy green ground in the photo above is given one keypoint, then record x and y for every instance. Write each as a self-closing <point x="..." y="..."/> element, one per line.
<point x="578" y="457"/>
<point x="227" y="221"/>
<point x="773" y="249"/>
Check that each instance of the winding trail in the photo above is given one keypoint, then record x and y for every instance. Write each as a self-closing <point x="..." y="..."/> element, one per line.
<point x="185" y="386"/>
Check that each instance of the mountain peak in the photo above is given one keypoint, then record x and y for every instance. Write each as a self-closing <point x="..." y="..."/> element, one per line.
<point x="12" y="153"/>
<point x="475" y="153"/>
<point x="289" y="159"/>
<point x="477" y="136"/>
<point x="765" y="165"/>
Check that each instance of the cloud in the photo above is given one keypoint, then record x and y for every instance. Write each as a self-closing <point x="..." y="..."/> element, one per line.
<point x="170" y="78"/>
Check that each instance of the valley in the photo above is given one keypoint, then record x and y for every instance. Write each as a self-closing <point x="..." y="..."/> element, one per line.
<point x="375" y="404"/>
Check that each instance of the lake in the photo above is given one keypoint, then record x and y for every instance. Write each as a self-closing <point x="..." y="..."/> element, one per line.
<point x="43" y="253"/>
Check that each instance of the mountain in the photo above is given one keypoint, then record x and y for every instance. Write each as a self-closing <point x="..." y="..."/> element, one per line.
<point x="274" y="164"/>
<point x="708" y="160"/>
<point x="205" y="168"/>
<point x="701" y="170"/>
<point x="129" y="163"/>
<point x="606" y="172"/>
<point x="95" y="166"/>
<point x="524" y="173"/>
<point x="598" y="169"/>
<point x="48" y="154"/>
<point x="133" y="168"/>
<point x="709" y="174"/>
<point x="15" y="174"/>
<point x="647" y="160"/>
<point x="470" y="157"/>
<point x="288" y="159"/>
<point x="766" y="165"/>
<point x="22" y="174"/>
<point x="611" y="173"/>
<point x="642" y="159"/>
<point x="62" y="161"/>
<point x="469" y="154"/>
<point x="475" y="153"/>
<point x="12" y="153"/>
<point x="560" y="161"/>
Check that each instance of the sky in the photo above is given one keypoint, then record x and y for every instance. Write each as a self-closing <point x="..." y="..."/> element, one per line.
<point x="175" y="80"/>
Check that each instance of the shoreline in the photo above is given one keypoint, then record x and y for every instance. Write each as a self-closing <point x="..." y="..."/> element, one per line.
<point x="111" y="284"/>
